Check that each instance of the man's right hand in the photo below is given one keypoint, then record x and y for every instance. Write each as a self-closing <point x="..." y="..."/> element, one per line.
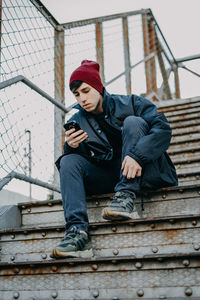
<point x="74" y="138"/>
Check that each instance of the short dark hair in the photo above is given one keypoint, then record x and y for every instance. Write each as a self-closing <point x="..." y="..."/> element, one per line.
<point x="75" y="84"/>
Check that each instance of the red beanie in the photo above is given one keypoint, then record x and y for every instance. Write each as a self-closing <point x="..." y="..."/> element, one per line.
<point x="88" y="72"/>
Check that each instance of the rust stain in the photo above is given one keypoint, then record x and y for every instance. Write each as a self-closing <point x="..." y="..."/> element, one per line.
<point x="171" y="234"/>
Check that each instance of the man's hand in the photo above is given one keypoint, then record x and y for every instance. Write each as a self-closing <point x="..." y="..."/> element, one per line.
<point x="131" y="167"/>
<point x="75" y="138"/>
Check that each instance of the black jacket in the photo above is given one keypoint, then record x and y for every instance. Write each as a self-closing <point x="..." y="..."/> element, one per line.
<point x="150" y="151"/>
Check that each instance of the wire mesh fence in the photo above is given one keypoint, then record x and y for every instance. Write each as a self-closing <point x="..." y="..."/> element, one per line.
<point x="134" y="58"/>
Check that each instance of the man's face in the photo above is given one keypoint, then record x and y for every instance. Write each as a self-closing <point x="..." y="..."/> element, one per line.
<point x="89" y="98"/>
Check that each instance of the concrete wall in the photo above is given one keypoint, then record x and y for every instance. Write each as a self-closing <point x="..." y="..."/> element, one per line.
<point x="8" y="198"/>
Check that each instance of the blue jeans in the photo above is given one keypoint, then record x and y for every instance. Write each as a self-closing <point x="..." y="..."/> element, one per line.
<point x="80" y="177"/>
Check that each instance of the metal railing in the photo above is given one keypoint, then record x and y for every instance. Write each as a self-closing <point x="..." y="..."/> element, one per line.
<point x="37" y="57"/>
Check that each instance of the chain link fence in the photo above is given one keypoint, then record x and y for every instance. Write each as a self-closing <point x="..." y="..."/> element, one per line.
<point x="133" y="55"/>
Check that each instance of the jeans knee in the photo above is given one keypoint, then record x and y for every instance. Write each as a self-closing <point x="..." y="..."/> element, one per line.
<point x="71" y="162"/>
<point x="133" y="122"/>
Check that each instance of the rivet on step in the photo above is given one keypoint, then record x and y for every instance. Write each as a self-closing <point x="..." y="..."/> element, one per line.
<point x="43" y="234"/>
<point x="186" y="262"/>
<point x="194" y="223"/>
<point x="23" y="206"/>
<point x="199" y="192"/>
<point x="152" y="225"/>
<point x="44" y="256"/>
<point x="114" y="229"/>
<point x="12" y="258"/>
<point x="140" y="293"/>
<point x="25" y="232"/>
<point x="115" y="252"/>
<point x="29" y="210"/>
<point x="197" y="177"/>
<point x="54" y="268"/>
<point x="196" y="247"/>
<point x="12" y="236"/>
<point x="16" y="270"/>
<point x="188" y="291"/>
<point x="162" y="297"/>
<point x="50" y="204"/>
<point x="164" y="196"/>
<point x="180" y="191"/>
<point x="95" y="294"/>
<point x="154" y="250"/>
<point x="54" y="295"/>
<point x="16" y="295"/>
<point x="97" y="203"/>
<point x="172" y="221"/>
<point x="114" y="261"/>
<point x="115" y="298"/>
<point x="160" y="259"/>
<point x="58" y="229"/>
<point x="94" y="267"/>
<point x="138" y="265"/>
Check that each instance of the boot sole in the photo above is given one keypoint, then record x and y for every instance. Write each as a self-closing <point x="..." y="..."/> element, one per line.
<point x="115" y="215"/>
<point x="55" y="253"/>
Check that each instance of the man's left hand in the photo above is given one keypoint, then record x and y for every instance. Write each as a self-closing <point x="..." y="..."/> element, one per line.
<point x="131" y="168"/>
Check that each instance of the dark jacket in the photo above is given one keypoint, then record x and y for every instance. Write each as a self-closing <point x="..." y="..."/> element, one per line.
<point x="150" y="151"/>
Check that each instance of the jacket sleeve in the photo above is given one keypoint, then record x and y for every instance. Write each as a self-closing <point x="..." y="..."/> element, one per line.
<point x="153" y="145"/>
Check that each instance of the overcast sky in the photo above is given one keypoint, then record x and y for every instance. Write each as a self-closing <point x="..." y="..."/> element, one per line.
<point x="179" y="19"/>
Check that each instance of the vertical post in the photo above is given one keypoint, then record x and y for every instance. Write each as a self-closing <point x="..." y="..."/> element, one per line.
<point x="99" y="49"/>
<point x="59" y="93"/>
<point x="149" y="47"/>
<point x="167" y="91"/>
<point x="126" y="55"/>
<point x="176" y="81"/>
<point x="29" y="161"/>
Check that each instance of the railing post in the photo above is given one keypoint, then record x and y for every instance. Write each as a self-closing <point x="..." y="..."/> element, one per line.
<point x="99" y="49"/>
<point x="167" y="91"/>
<point x="176" y="81"/>
<point x="0" y="26"/>
<point x="59" y="91"/>
<point x="126" y="55"/>
<point x="149" y="47"/>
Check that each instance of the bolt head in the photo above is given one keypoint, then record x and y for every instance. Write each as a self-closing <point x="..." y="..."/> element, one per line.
<point x="196" y="247"/>
<point x="138" y="265"/>
<point x="44" y="256"/>
<point x="115" y="252"/>
<point x="114" y="229"/>
<point x="154" y="250"/>
<point x="95" y="294"/>
<point x="188" y="291"/>
<point x="94" y="267"/>
<point x="186" y="262"/>
<point x="16" y="295"/>
<point x="54" y="295"/>
<point x="140" y="293"/>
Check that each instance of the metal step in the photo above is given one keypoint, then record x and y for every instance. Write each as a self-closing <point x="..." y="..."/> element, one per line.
<point x="172" y="201"/>
<point x="186" y="130"/>
<point x="185" y="116"/>
<point x="155" y="276"/>
<point x="180" y="234"/>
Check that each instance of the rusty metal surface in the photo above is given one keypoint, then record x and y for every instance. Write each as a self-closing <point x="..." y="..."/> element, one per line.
<point x="151" y="276"/>
<point x="176" y="81"/>
<point x="126" y="54"/>
<point x="165" y="235"/>
<point x="100" y="49"/>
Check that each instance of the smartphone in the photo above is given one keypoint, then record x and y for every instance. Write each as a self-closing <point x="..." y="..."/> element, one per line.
<point x="72" y="124"/>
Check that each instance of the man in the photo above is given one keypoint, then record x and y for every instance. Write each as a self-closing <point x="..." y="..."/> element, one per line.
<point x="120" y="147"/>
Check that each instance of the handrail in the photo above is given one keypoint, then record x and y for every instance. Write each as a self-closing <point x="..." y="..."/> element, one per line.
<point x="130" y="68"/>
<point x="33" y="86"/>
<point x="23" y="177"/>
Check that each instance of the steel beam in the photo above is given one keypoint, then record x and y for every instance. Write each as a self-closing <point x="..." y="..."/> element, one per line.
<point x="102" y="19"/>
<point x="45" y="12"/>
<point x="126" y="55"/>
<point x="99" y="49"/>
<point x="59" y="91"/>
<point x="176" y="82"/>
<point x="188" y="58"/>
<point x="149" y="47"/>
<point x="163" y="70"/>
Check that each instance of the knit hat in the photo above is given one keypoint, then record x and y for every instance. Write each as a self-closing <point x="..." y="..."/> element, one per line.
<point x="88" y="72"/>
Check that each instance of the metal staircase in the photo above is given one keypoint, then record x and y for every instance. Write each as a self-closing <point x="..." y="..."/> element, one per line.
<point x="156" y="256"/>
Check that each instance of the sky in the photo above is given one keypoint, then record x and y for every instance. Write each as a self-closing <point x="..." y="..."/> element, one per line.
<point x="178" y="19"/>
